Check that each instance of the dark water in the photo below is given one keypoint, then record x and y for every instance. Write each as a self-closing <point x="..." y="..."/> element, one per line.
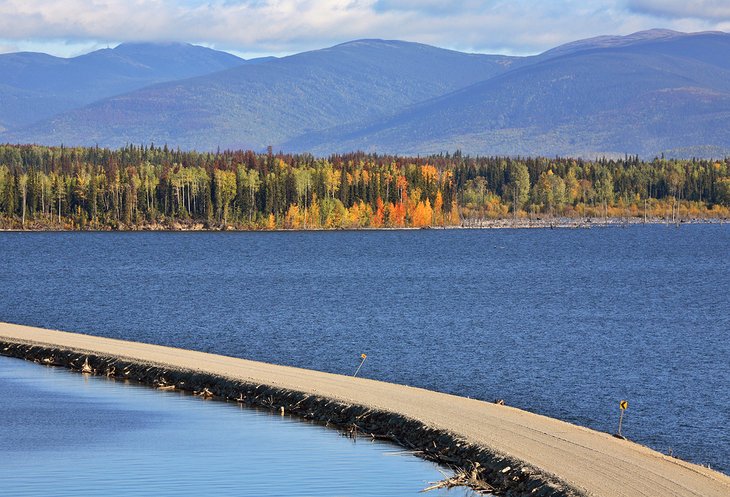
<point x="63" y="434"/>
<point x="561" y="322"/>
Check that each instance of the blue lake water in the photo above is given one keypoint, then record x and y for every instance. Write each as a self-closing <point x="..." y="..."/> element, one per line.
<point x="561" y="322"/>
<point x="64" y="434"/>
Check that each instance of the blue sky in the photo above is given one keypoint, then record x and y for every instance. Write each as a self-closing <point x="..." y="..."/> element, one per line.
<point x="277" y="27"/>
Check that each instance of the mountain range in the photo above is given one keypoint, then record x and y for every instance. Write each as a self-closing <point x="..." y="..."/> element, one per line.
<point x="650" y="93"/>
<point x="36" y="86"/>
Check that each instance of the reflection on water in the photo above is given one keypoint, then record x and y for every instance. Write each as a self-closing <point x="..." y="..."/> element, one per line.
<point x="65" y="434"/>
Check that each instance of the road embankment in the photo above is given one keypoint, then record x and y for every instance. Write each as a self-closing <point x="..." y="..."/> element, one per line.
<point x="518" y="453"/>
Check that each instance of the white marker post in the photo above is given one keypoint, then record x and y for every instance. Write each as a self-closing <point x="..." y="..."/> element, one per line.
<point x="624" y="404"/>
<point x="363" y="357"/>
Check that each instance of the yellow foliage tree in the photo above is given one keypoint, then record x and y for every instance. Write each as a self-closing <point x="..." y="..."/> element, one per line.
<point x="294" y="218"/>
<point x="422" y="214"/>
<point x="438" y="209"/>
<point x="454" y="218"/>
<point x="271" y="222"/>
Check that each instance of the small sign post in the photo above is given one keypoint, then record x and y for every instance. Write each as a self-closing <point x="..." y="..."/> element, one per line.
<point x="624" y="404"/>
<point x="363" y="357"/>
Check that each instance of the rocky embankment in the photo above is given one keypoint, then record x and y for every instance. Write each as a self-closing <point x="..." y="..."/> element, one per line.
<point x="496" y="448"/>
<point x="477" y="467"/>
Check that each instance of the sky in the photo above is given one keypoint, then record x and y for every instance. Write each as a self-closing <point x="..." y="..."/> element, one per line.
<point x="252" y="28"/>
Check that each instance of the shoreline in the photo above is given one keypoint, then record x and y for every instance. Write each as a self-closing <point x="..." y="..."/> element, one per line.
<point x="519" y="453"/>
<point x="484" y="224"/>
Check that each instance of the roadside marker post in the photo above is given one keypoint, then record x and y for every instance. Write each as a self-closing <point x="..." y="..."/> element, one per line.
<point x="363" y="357"/>
<point x="624" y="404"/>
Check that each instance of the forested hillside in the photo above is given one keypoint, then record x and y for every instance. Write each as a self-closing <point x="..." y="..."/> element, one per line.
<point x="669" y="93"/>
<point x="36" y="86"/>
<point x="256" y="105"/>
<point x="153" y="187"/>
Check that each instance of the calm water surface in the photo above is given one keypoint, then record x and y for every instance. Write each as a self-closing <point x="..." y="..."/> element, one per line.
<point x="560" y="322"/>
<point x="64" y="434"/>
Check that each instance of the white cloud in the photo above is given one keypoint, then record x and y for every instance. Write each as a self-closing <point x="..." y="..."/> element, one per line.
<point x="286" y="26"/>
<point x="717" y="10"/>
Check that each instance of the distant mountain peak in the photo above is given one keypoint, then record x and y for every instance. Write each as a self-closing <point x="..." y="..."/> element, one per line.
<point x="134" y="48"/>
<point x="653" y="33"/>
<point x="612" y="40"/>
<point x="658" y="33"/>
<point x="145" y="44"/>
<point x="378" y="43"/>
<point x="616" y="41"/>
<point x="371" y="42"/>
<point x="366" y="44"/>
<point x="375" y="43"/>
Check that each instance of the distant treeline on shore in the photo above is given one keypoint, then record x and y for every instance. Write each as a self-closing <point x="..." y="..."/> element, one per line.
<point x="147" y="186"/>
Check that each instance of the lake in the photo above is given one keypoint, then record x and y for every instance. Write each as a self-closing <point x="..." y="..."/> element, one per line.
<point x="64" y="434"/>
<point x="564" y="323"/>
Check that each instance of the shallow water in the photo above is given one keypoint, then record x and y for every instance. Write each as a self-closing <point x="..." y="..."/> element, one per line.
<point x="65" y="434"/>
<point x="561" y="322"/>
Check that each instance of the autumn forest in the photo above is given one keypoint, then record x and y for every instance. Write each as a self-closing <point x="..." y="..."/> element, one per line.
<point x="145" y="187"/>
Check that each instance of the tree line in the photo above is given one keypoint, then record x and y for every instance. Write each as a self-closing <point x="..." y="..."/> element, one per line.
<point x="149" y="186"/>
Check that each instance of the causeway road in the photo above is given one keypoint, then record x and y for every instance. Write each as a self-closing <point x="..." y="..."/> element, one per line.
<point x="592" y="462"/>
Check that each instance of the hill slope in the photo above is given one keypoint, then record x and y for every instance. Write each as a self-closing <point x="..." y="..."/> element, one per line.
<point x="274" y="100"/>
<point x="644" y="95"/>
<point x="36" y="86"/>
<point x="641" y="97"/>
